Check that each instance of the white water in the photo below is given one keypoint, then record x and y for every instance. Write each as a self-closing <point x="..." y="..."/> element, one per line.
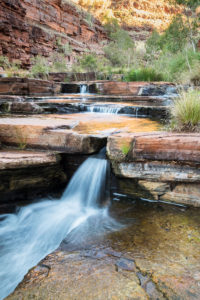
<point x="103" y="109"/>
<point x="83" y="89"/>
<point x="38" y="229"/>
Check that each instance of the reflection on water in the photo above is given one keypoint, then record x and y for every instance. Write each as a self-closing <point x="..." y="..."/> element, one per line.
<point x="99" y="123"/>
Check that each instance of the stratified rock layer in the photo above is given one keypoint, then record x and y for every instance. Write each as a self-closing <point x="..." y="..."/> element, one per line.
<point x="165" y="164"/>
<point x="29" y="28"/>
<point x="26" y="174"/>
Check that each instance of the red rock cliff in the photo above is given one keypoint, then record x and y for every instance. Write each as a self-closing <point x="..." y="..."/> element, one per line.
<point x="31" y="27"/>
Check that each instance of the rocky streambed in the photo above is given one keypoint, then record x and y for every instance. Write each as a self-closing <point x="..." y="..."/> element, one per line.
<point x="155" y="256"/>
<point x="153" y="251"/>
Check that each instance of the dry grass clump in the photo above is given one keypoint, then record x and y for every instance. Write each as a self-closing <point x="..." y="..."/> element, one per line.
<point x="185" y="112"/>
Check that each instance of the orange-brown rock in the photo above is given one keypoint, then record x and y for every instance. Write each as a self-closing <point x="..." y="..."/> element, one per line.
<point x="139" y="17"/>
<point x="29" y="28"/>
<point x="26" y="86"/>
<point x="164" y="146"/>
<point x="133" y="88"/>
<point x="164" y="164"/>
<point x="48" y="133"/>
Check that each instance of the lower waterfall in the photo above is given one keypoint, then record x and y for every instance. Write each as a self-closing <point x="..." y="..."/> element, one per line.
<point x="38" y="229"/>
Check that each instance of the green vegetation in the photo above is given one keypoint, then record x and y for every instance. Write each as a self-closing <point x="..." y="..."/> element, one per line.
<point x="144" y="74"/>
<point x="185" y="112"/>
<point x="125" y="149"/>
<point x="11" y="68"/>
<point x="120" y="51"/>
<point x="40" y="67"/>
<point x="66" y="49"/>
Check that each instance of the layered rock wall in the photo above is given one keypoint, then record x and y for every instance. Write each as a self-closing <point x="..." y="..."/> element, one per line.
<point x="29" y="28"/>
<point x="162" y="163"/>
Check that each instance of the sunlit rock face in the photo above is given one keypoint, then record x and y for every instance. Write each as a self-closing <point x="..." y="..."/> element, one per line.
<point x="29" y="28"/>
<point x="141" y="16"/>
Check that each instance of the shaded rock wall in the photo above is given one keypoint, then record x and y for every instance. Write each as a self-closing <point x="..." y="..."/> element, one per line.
<point x="27" y="174"/>
<point x="29" y="28"/>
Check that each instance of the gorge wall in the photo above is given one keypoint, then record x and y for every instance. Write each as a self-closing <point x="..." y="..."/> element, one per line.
<point x="33" y="27"/>
<point x="139" y="17"/>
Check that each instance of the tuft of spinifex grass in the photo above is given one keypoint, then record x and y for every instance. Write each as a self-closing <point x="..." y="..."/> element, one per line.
<point x="185" y="112"/>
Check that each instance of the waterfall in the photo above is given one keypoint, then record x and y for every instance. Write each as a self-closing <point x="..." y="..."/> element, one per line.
<point x="103" y="109"/>
<point x="38" y="229"/>
<point x="84" y="89"/>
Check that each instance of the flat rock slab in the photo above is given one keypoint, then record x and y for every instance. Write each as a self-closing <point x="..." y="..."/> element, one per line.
<point x="164" y="146"/>
<point x="48" y="133"/>
<point x="14" y="159"/>
<point x="76" y="133"/>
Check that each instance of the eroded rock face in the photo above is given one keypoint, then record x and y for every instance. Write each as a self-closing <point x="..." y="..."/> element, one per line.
<point x="164" y="164"/>
<point x="29" y="28"/>
<point x="135" y="88"/>
<point x="27" y="174"/>
<point x="26" y="86"/>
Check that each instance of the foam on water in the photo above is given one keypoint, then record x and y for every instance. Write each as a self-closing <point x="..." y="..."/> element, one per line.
<point x="38" y="229"/>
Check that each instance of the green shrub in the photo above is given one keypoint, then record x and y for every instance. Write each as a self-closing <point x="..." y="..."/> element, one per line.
<point x="4" y="62"/>
<point x="144" y="74"/>
<point x="40" y="66"/>
<point x="66" y="49"/>
<point x="120" y="51"/>
<point x="180" y="67"/>
<point x="58" y="63"/>
<point x="185" y="112"/>
<point x="86" y="63"/>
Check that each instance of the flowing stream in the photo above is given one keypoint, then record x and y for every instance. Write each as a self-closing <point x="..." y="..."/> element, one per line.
<point x="83" y="89"/>
<point x="38" y="229"/>
<point x="103" y="109"/>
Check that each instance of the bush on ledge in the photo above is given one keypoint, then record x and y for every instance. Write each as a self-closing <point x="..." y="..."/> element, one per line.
<point x="185" y="112"/>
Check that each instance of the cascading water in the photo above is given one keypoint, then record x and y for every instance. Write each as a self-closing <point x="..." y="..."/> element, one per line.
<point x="83" y="89"/>
<point x="103" y="109"/>
<point x="38" y="229"/>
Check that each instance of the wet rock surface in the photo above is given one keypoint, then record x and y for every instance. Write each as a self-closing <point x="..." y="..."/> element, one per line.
<point x="76" y="133"/>
<point x="155" y="256"/>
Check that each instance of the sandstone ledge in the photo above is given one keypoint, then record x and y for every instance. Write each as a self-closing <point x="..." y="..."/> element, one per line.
<point x="161" y="146"/>
<point x="167" y="165"/>
<point x="48" y="134"/>
<point x="27" y="86"/>
<point x="14" y="159"/>
<point x="25" y="175"/>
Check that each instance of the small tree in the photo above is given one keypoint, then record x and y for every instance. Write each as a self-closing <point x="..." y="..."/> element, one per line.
<point x="88" y="62"/>
<point x="120" y="51"/>
<point x="192" y="16"/>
